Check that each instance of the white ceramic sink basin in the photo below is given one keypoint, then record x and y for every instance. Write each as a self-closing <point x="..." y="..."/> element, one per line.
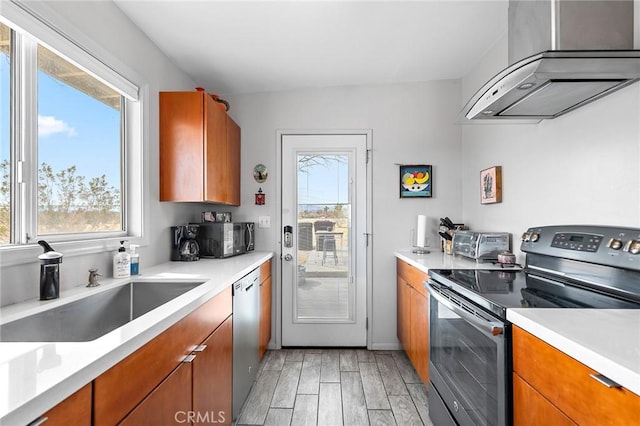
<point x="93" y="316"/>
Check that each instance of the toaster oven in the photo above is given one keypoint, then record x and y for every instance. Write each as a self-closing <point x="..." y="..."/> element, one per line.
<point x="481" y="246"/>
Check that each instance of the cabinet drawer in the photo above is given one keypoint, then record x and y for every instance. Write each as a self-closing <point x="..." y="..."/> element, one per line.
<point x="167" y="404"/>
<point x="124" y="385"/>
<point x="265" y="270"/>
<point x="532" y="409"/>
<point x="568" y="385"/>
<point x="412" y="275"/>
<point x="73" y="411"/>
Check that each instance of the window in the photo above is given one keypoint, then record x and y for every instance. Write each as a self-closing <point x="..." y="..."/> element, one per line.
<point x="5" y="133"/>
<point x="79" y="150"/>
<point x="70" y="139"/>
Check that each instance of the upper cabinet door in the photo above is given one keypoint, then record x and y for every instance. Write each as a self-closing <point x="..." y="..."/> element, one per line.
<point x="216" y="151"/>
<point x="232" y="181"/>
<point x="181" y="146"/>
<point x="199" y="150"/>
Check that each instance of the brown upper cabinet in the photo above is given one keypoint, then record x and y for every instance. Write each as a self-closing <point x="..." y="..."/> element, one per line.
<point x="199" y="150"/>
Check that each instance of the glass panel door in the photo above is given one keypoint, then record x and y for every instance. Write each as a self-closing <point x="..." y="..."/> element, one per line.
<point x="324" y="250"/>
<point x="324" y="219"/>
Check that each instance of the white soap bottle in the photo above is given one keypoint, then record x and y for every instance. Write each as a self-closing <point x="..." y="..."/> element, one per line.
<point x="121" y="263"/>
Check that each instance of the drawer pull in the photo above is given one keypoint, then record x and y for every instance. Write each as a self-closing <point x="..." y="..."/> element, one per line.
<point x="199" y="348"/>
<point x="189" y="358"/>
<point x="605" y="380"/>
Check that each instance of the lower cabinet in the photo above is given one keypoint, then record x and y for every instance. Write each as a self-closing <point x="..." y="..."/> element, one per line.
<point x="550" y="387"/>
<point x="265" y="308"/>
<point x="534" y="409"/>
<point x="186" y="370"/>
<point x="413" y="316"/>
<point x="168" y="403"/>
<point x="73" y="411"/>
<point x="419" y="355"/>
<point x="212" y="376"/>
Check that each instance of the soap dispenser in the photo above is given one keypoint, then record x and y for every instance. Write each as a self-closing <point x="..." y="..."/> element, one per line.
<point x="121" y="263"/>
<point x="135" y="259"/>
<point x="50" y="262"/>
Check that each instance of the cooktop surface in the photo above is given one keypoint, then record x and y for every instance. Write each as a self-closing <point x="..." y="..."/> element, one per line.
<point x="498" y="290"/>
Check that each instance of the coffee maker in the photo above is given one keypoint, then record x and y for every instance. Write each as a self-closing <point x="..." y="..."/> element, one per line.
<point x="184" y="246"/>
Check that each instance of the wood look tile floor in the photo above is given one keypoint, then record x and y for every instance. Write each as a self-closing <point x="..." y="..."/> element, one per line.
<point x="349" y="387"/>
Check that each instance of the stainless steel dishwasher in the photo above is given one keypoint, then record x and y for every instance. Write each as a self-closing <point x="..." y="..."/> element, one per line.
<point x="246" y="316"/>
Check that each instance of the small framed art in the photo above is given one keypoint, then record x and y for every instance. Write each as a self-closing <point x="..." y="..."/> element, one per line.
<point x="491" y="185"/>
<point x="416" y="181"/>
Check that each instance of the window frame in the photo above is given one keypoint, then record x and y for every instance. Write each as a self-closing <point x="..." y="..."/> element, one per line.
<point x="35" y="23"/>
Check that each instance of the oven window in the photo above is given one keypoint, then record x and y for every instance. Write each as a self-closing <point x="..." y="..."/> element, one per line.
<point x="469" y="363"/>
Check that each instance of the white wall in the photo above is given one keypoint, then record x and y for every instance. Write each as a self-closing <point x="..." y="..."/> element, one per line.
<point x="107" y="26"/>
<point x="580" y="168"/>
<point x="411" y="124"/>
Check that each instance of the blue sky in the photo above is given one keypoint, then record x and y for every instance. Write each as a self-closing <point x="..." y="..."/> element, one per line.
<point x="324" y="184"/>
<point x="73" y="128"/>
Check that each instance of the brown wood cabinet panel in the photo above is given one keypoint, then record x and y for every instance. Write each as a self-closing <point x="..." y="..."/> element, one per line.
<point x="420" y="334"/>
<point x="212" y="381"/>
<point x="199" y="150"/>
<point x="265" y="315"/>
<point x="167" y="404"/>
<point x="124" y="385"/>
<point x="413" y="276"/>
<point x="404" y="314"/>
<point x="265" y="270"/>
<point x="567" y="384"/>
<point x="181" y="146"/>
<point x="413" y="316"/>
<point x="73" y="411"/>
<point x="215" y="145"/>
<point x="232" y="177"/>
<point x="532" y="409"/>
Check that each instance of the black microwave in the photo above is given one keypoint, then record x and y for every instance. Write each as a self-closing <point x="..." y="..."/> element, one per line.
<point x="225" y="239"/>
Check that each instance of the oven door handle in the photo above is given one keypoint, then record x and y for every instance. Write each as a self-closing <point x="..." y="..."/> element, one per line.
<point x="490" y="328"/>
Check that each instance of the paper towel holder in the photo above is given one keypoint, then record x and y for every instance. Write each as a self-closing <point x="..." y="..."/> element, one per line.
<point x="420" y="236"/>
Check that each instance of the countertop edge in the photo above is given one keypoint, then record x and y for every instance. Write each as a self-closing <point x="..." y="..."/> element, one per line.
<point x="28" y="410"/>
<point x="590" y="357"/>
<point x="436" y="259"/>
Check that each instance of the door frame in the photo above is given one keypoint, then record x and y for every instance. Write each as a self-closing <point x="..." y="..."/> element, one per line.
<point x="368" y="133"/>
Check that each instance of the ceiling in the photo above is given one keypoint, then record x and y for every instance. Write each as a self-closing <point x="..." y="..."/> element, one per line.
<point x="231" y="47"/>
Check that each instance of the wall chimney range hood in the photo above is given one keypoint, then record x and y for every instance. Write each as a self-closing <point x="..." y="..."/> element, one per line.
<point x="563" y="54"/>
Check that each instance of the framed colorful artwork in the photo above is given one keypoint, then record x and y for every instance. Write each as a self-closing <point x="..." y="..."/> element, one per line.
<point x="491" y="185"/>
<point x="416" y="181"/>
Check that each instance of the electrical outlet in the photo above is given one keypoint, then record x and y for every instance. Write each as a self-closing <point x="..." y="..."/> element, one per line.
<point x="264" y="222"/>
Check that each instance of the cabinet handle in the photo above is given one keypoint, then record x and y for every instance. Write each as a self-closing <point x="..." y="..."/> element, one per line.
<point x="199" y="348"/>
<point x="189" y="358"/>
<point x="38" y="421"/>
<point x="605" y="380"/>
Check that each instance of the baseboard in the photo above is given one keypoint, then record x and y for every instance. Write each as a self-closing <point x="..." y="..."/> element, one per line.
<point x="385" y="346"/>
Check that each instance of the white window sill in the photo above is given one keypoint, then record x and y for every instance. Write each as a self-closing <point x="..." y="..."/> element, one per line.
<point x="18" y="255"/>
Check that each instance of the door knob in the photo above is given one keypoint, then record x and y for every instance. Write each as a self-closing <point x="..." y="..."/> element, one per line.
<point x="288" y="257"/>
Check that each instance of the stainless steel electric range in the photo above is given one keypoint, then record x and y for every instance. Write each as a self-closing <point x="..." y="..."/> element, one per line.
<point x="592" y="267"/>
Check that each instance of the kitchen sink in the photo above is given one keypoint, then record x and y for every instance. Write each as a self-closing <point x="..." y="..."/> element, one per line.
<point x="93" y="316"/>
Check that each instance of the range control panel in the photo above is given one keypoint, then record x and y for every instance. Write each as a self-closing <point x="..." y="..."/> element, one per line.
<point x="605" y="245"/>
<point x="579" y="242"/>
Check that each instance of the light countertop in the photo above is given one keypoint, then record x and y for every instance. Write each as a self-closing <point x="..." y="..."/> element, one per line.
<point x="35" y="376"/>
<point x="439" y="260"/>
<point x="605" y="340"/>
